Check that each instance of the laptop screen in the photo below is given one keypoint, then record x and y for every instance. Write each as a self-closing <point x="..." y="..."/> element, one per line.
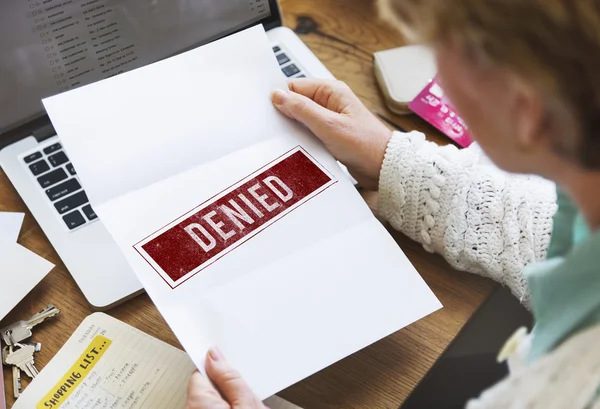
<point x="51" y="46"/>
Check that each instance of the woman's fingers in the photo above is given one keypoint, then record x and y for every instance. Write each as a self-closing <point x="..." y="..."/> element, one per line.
<point x="227" y="391"/>
<point x="203" y="395"/>
<point x="333" y="95"/>
<point x="304" y="110"/>
<point x="297" y="106"/>
<point x="337" y="117"/>
<point x="229" y="382"/>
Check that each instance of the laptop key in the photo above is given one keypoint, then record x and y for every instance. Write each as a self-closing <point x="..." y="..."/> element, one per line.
<point x="276" y="49"/>
<point x="89" y="212"/>
<point x="52" y="178"/>
<point x="282" y="58"/>
<point x="71" y="169"/>
<point x="71" y="202"/>
<point x="52" y="148"/>
<point x="32" y="157"/>
<point x="38" y="168"/>
<point x="58" y="159"/>
<point x="74" y="219"/>
<point x="301" y="76"/>
<point x="290" y="70"/>
<point x="65" y="188"/>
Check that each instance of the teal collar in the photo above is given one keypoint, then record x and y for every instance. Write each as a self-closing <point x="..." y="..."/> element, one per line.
<point x="565" y="293"/>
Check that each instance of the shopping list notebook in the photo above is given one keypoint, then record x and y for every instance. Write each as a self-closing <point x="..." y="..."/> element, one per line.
<point x="240" y="225"/>
<point x="109" y="364"/>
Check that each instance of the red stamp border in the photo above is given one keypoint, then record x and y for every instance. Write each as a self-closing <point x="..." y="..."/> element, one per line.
<point x="225" y="191"/>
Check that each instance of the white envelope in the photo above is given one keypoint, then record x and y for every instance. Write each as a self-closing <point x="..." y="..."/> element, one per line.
<point x="20" y="271"/>
<point x="10" y="225"/>
<point x="320" y="282"/>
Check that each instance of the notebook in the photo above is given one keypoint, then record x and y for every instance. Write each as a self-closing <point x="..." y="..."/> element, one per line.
<point x="108" y="364"/>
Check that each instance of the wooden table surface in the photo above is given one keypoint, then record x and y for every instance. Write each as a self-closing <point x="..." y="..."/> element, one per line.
<point x="343" y="34"/>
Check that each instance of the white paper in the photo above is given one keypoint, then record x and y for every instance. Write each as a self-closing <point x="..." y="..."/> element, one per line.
<point x="10" y="225"/>
<point x="20" y="271"/>
<point x="319" y="284"/>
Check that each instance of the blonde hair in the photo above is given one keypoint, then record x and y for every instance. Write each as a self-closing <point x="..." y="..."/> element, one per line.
<point x="554" y="44"/>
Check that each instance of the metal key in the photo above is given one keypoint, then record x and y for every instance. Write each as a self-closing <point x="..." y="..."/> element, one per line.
<point x="23" y="359"/>
<point x="7" y="350"/>
<point x="21" y="330"/>
<point x="37" y="346"/>
<point x="16" y="382"/>
<point x="16" y="372"/>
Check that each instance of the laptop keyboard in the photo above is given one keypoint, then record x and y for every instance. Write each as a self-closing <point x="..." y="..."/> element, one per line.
<point x="56" y="175"/>
<point x="289" y="68"/>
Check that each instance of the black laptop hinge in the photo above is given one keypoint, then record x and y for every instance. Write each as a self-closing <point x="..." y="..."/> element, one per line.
<point x="40" y="128"/>
<point x="45" y="132"/>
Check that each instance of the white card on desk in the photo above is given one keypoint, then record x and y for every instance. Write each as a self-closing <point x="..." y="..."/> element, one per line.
<point x="20" y="271"/>
<point x="108" y="364"/>
<point x="10" y="225"/>
<point x="200" y="164"/>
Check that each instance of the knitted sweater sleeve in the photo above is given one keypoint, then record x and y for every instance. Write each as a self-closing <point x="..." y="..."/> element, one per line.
<point x="458" y="204"/>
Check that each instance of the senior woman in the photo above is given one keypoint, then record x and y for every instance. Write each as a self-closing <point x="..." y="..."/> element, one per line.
<point x="525" y="76"/>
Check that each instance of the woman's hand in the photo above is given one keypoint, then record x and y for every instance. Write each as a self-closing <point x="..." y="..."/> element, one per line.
<point x="230" y="391"/>
<point x="338" y="118"/>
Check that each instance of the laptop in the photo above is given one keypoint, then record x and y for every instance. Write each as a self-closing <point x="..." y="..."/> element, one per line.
<point x="468" y="366"/>
<point x="51" y="46"/>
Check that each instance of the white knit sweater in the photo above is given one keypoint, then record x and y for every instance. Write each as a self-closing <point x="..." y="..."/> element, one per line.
<point x="458" y="204"/>
<point x="485" y="221"/>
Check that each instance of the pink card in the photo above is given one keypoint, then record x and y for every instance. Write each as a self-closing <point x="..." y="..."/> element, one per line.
<point x="433" y="106"/>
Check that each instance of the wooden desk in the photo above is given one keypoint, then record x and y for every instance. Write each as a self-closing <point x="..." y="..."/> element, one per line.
<point x="344" y="34"/>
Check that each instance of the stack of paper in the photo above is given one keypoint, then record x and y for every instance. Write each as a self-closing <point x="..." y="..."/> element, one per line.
<point x="241" y="226"/>
<point x="10" y="225"/>
<point x="20" y="269"/>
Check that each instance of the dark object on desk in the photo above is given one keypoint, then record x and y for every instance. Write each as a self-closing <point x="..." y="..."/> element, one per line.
<point x="469" y="366"/>
<point x="2" y="394"/>
<point x="390" y="122"/>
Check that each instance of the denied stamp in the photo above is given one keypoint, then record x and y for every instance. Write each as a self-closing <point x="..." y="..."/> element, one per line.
<point x="216" y="227"/>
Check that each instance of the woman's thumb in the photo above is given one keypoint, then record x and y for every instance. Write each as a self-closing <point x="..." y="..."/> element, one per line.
<point x="302" y="109"/>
